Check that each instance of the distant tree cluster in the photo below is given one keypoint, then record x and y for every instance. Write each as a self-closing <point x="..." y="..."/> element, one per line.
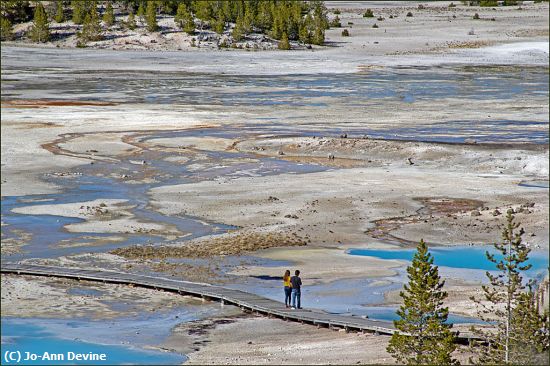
<point x="283" y="20"/>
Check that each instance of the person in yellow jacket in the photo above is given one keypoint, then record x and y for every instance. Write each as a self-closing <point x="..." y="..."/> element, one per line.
<point x="288" y="288"/>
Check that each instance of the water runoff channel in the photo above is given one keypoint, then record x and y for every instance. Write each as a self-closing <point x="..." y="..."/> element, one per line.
<point x="298" y="91"/>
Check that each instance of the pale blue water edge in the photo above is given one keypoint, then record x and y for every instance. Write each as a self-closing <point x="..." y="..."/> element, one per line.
<point x="466" y="257"/>
<point x="19" y="335"/>
<point x="388" y="313"/>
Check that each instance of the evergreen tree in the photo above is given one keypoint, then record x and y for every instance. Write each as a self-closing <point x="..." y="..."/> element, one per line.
<point x="109" y="16"/>
<point x="519" y="326"/>
<point x="248" y="21"/>
<point x="203" y="10"/>
<point x="40" y="31"/>
<point x="16" y="11"/>
<point x="141" y="12"/>
<point x="91" y="29"/>
<point x="131" y="21"/>
<point x="79" y="11"/>
<point x="278" y="26"/>
<point x="530" y="343"/>
<point x="423" y="337"/>
<point x="185" y="19"/>
<point x="264" y="18"/>
<point x="219" y="23"/>
<point x="368" y="14"/>
<point x="59" y="15"/>
<point x="151" y="17"/>
<point x="238" y="30"/>
<point x="6" y="29"/>
<point x="306" y="27"/>
<point x="318" y="35"/>
<point x="284" y="44"/>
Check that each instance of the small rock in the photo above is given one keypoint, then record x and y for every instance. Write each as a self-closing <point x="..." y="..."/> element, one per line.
<point x="330" y="156"/>
<point x="496" y="212"/>
<point x="475" y="213"/>
<point x="281" y="152"/>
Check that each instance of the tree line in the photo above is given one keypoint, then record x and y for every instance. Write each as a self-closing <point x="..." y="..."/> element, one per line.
<point x="518" y="333"/>
<point x="282" y="20"/>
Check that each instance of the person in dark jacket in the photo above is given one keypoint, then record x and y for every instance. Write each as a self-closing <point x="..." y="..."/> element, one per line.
<point x="296" y="283"/>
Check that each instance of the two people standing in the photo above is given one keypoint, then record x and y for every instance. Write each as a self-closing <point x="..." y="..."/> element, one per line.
<point x="292" y="286"/>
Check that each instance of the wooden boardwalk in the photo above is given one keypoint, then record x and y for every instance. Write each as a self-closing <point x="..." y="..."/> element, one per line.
<point x="244" y="300"/>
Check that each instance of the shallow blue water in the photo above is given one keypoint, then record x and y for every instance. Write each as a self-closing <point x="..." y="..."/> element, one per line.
<point x="544" y="184"/>
<point x="455" y="257"/>
<point x="389" y="314"/>
<point x="24" y="337"/>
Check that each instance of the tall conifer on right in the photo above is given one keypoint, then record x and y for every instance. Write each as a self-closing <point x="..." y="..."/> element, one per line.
<point x="522" y="329"/>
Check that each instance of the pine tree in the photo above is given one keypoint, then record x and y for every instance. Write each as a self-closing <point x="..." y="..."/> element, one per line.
<point x="6" y="28"/>
<point x="141" y="12"/>
<point x="238" y="30"/>
<point x="284" y="44"/>
<point x="91" y="29"/>
<point x="40" y="31"/>
<point x="530" y="343"/>
<point x="59" y="15"/>
<point x="248" y="21"/>
<point x="109" y="16"/>
<point x="423" y="337"/>
<point x="79" y="11"/>
<point x="219" y="23"/>
<point x="131" y="21"/>
<point x="318" y="35"/>
<point x="203" y="10"/>
<point x="151" y="17"/>
<point x="517" y="321"/>
<point x="185" y="19"/>
<point x="306" y="27"/>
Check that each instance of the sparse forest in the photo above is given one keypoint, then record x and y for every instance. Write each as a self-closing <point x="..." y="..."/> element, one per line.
<point x="281" y="20"/>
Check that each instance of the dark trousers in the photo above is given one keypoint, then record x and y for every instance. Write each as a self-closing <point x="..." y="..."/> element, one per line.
<point x="288" y="291"/>
<point x="296" y="295"/>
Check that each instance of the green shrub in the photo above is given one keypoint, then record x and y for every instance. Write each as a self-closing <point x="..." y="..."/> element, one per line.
<point x="6" y="29"/>
<point x="335" y="23"/>
<point x="375" y="25"/>
<point x="409" y="14"/>
<point x="284" y="44"/>
<point x="337" y="12"/>
<point x="476" y="16"/>
<point x="345" y="33"/>
<point x="368" y="14"/>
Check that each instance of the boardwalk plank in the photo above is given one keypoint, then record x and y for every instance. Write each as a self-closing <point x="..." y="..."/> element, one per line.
<point x="233" y="296"/>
